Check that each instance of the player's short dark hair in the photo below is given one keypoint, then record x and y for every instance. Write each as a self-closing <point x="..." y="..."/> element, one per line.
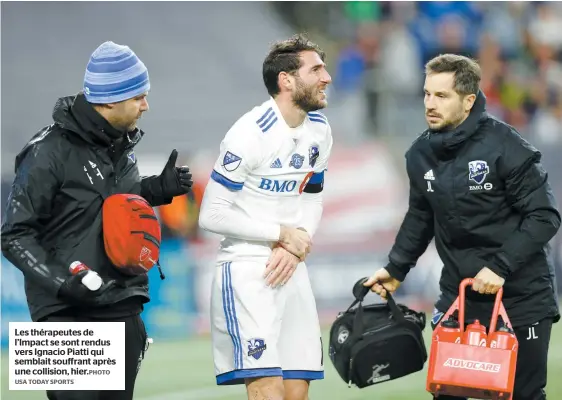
<point x="284" y="56"/>
<point x="467" y="72"/>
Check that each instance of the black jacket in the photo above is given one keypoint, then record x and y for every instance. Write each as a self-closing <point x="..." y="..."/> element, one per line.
<point x="53" y="215"/>
<point x="481" y="191"/>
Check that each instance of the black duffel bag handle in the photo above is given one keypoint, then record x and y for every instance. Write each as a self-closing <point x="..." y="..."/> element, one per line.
<point x="359" y="292"/>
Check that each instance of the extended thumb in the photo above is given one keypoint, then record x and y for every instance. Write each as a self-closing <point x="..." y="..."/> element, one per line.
<point x="172" y="160"/>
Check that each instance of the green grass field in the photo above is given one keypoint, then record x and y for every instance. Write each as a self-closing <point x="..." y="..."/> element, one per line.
<point x="184" y="371"/>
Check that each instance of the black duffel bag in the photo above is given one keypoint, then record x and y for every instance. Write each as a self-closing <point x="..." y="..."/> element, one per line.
<point x="378" y="342"/>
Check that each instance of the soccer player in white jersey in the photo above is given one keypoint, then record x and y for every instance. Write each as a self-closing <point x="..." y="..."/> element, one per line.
<point x="265" y="198"/>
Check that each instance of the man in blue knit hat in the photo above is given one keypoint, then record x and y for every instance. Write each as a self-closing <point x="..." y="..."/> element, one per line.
<point x="54" y="211"/>
<point x="116" y="82"/>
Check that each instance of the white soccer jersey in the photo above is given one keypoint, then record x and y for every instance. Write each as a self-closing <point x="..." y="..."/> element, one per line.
<point x="258" y="330"/>
<point x="270" y="164"/>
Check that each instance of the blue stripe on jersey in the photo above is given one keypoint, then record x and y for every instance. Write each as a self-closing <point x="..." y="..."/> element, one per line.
<point x="267" y="120"/>
<point x="228" y="315"/>
<point x="230" y="292"/>
<point x="317" y="115"/>
<point x="223" y="180"/>
<point x="273" y="121"/>
<point x="317" y="178"/>
<point x="264" y="115"/>
<point x="318" y="120"/>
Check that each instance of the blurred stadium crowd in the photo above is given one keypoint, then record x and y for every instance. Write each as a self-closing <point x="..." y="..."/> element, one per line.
<point x="376" y="53"/>
<point x="383" y="46"/>
<point x="380" y="51"/>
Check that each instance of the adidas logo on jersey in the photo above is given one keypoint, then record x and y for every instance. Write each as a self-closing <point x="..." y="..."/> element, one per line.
<point x="429" y="176"/>
<point x="276" y="164"/>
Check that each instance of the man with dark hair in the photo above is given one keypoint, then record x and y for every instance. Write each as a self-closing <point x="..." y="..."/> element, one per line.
<point x="479" y="189"/>
<point x="54" y="211"/>
<point x="284" y="57"/>
<point x="265" y="198"/>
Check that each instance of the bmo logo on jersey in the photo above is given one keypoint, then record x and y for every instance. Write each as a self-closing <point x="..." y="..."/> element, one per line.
<point x="273" y="185"/>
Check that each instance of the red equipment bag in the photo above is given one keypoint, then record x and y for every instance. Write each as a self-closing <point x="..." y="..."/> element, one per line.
<point x="469" y="363"/>
<point x="131" y="234"/>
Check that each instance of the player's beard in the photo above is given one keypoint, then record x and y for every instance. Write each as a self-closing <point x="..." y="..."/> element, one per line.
<point x="125" y="122"/>
<point x="450" y="124"/>
<point x="306" y="98"/>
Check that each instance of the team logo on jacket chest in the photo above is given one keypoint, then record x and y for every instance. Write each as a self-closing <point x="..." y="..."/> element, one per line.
<point x="477" y="172"/>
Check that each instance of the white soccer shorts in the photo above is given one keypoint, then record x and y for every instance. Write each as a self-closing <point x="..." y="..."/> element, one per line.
<point x="258" y="331"/>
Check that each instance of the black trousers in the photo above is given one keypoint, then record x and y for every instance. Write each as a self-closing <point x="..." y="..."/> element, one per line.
<point x="532" y="357"/>
<point x="136" y="344"/>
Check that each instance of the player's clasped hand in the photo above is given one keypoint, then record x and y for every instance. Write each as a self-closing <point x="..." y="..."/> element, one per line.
<point x="296" y="241"/>
<point x="487" y="282"/>
<point x="280" y="267"/>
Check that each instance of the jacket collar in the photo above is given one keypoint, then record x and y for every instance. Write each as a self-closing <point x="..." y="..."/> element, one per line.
<point x="75" y="114"/>
<point x="445" y="144"/>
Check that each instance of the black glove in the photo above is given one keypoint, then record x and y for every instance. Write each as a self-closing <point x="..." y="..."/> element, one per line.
<point x="75" y="292"/>
<point x="175" y="181"/>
